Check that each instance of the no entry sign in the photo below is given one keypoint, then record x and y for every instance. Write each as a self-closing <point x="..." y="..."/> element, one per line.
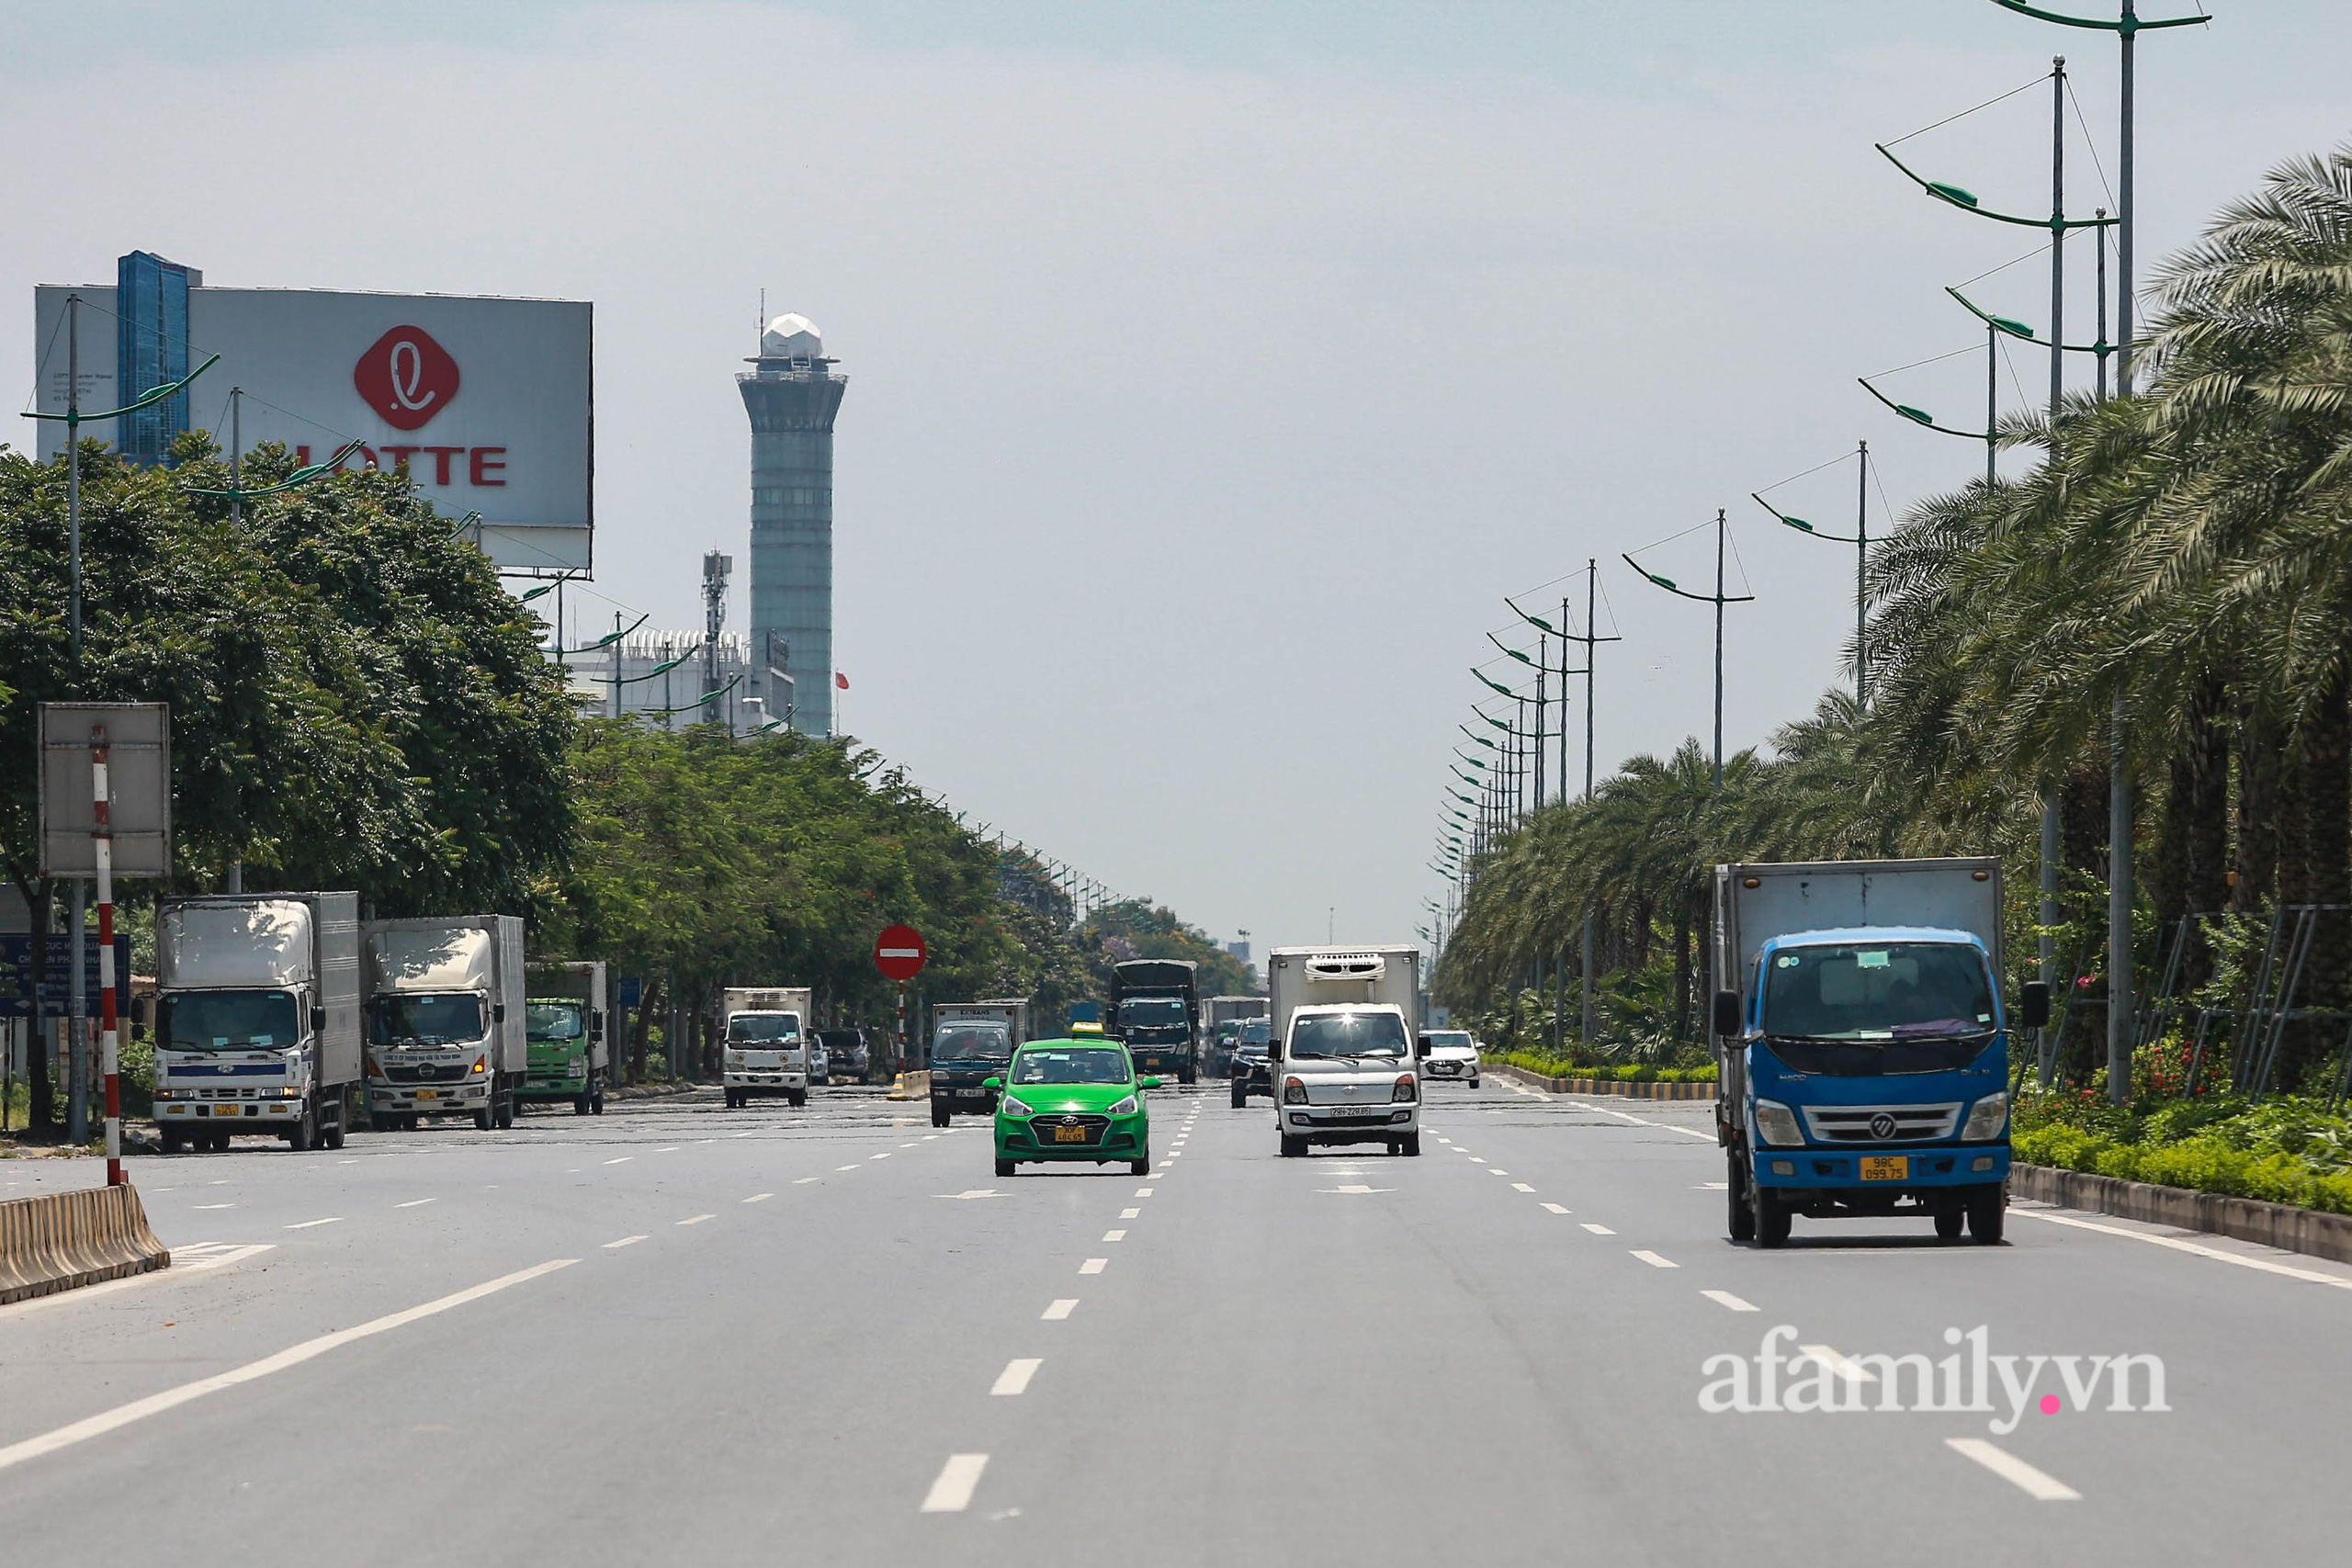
<point x="899" y="952"/>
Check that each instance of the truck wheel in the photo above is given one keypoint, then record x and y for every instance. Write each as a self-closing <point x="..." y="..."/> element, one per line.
<point x="1474" y="1080"/>
<point x="1411" y="1142"/>
<point x="1773" y="1218"/>
<point x="1947" y="1224"/>
<point x="304" y="1134"/>
<point x="1987" y="1209"/>
<point x="335" y="1132"/>
<point x="1240" y="1096"/>
<point x="1743" y="1213"/>
<point x="482" y="1120"/>
<point x="174" y="1141"/>
<point x="504" y="1115"/>
<point x="1293" y="1148"/>
<point x="1005" y="1167"/>
<point x="799" y="1098"/>
<point x="1187" y="1076"/>
<point x="596" y="1106"/>
<point x="938" y="1115"/>
<point x="580" y="1105"/>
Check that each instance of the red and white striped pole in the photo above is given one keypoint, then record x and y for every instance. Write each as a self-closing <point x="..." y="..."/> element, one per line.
<point x="102" y="843"/>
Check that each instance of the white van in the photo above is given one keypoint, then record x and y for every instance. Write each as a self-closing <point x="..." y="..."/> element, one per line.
<point x="1345" y="1067"/>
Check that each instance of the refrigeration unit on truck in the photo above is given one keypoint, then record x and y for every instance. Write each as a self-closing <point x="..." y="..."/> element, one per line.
<point x="1863" y="1044"/>
<point x="1345" y="1019"/>
<point x="446" y="1026"/>
<point x="766" y="1029"/>
<point x="970" y="1043"/>
<point x="567" y="1034"/>
<point x="257" y="1017"/>
<point x="1156" y="1009"/>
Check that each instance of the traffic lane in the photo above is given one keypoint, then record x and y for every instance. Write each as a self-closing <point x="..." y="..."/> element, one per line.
<point x="802" y="1340"/>
<point x="404" y="1228"/>
<point x="2237" y="1344"/>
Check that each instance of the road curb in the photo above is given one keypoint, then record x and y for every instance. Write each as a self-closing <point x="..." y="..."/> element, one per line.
<point x="61" y="1241"/>
<point x="2308" y="1231"/>
<point x="1604" y="1086"/>
<point x="911" y="1086"/>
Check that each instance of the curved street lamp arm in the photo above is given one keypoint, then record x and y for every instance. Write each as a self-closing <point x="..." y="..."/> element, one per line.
<point x="608" y="640"/>
<point x="2019" y="330"/>
<point x="1916" y="416"/>
<point x="1668" y="583"/>
<point x="656" y="669"/>
<point x="1800" y="525"/>
<point x="2134" y="25"/>
<point x="298" y="477"/>
<point x="703" y="701"/>
<point x="155" y="395"/>
<point x="1512" y="651"/>
<point x="1966" y="201"/>
<point x="1498" y="685"/>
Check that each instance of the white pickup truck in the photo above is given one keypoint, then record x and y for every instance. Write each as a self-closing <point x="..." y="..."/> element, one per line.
<point x="1344" y="1066"/>
<point x="767" y="1030"/>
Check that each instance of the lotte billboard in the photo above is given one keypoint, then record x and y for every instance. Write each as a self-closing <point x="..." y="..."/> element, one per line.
<point x="488" y="404"/>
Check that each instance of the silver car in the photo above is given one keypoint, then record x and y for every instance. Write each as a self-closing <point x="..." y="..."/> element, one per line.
<point x="1450" y="1054"/>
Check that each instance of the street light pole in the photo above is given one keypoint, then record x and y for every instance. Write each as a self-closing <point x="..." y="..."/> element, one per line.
<point x="1718" y="599"/>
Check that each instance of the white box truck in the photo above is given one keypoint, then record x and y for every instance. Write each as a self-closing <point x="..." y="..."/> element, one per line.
<point x="566" y="1033"/>
<point x="257" y="1017"/>
<point x="1345" y="1021"/>
<point x="767" y="1042"/>
<point x="445" y="1027"/>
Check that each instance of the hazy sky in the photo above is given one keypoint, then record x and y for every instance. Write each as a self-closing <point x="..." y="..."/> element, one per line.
<point x="1214" y="368"/>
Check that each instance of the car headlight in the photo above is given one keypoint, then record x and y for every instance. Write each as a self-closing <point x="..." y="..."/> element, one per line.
<point x="734" y="1058"/>
<point x="1984" y="1121"/>
<point x="1404" y="1093"/>
<point x="1294" y="1092"/>
<point x="1776" y="1123"/>
<point x="1127" y="1107"/>
<point x="1013" y="1107"/>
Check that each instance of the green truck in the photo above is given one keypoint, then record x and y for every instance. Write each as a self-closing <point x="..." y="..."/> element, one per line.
<point x="570" y="1046"/>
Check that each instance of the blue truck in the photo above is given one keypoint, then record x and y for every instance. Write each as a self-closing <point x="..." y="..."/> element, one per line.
<point x="1864" y="1043"/>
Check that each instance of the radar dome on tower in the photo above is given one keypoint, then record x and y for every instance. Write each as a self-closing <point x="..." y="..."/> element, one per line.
<point x="792" y="336"/>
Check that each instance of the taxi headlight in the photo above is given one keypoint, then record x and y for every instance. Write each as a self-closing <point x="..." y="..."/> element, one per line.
<point x="1126" y="1107"/>
<point x="1013" y="1107"/>
<point x="1776" y="1123"/>
<point x="1984" y="1121"/>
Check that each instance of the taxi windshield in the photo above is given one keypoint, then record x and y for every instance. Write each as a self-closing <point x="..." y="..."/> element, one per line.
<point x="1084" y="1064"/>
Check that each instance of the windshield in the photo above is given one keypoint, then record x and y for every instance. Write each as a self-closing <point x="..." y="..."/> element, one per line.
<point x="1348" y="1034"/>
<point x="1152" y="1012"/>
<point x="762" y="1027"/>
<point x="1450" y="1040"/>
<point x="1083" y="1063"/>
<point x="549" y="1023"/>
<point x="217" y="1021"/>
<point x="1257" y="1031"/>
<point x="1878" y="991"/>
<point x="970" y="1043"/>
<point x="439" y="1018"/>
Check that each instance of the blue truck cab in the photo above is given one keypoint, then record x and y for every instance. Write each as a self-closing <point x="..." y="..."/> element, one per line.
<point x="1863" y="1044"/>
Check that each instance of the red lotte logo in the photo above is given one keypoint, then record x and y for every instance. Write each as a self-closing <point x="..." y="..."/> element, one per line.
<point x="406" y="378"/>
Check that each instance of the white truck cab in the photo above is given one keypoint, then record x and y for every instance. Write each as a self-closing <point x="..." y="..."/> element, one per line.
<point x="767" y="1030"/>
<point x="1345" y="1068"/>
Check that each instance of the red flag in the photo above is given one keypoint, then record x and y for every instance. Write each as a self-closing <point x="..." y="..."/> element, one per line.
<point x="841" y="680"/>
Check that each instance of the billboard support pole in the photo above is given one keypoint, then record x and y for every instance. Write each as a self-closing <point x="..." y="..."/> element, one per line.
<point x="102" y="852"/>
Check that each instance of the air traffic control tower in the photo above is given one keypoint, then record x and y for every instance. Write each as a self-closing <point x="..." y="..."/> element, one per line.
<point x="792" y="394"/>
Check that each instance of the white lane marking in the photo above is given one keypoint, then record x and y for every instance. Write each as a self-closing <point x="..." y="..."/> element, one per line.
<point x="1057" y="1310"/>
<point x="1017" y="1372"/>
<point x="196" y="1258"/>
<point x="1476" y="1160"/>
<point x="670" y="1150"/>
<point x="1129" y="1213"/>
<point x="969" y="1193"/>
<point x="739" y="1134"/>
<point x="1845" y="1366"/>
<point x="1492" y="1171"/>
<point x="1114" y="1235"/>
<point x="1557" y="1210"/>
<point x="622" y="1160"/>
<point x="1352" y="1187"/>
<point x="1598" y="1230"/>
<point x="2340" y="1281"/>
<point x="1143" y="1191"/>
<point x="353" y="1161"/>
<point x="697" y="1219"/>
<point x="1653" y="1261"/>
<point x="951" y="1492"/>
<point x="845" y="1168"/>
<point x="1711" y="1187"/>
<point x="804" y="1181"/>
<point x="906" y="1145"/>
<point x="1621" y="1116"/>
<point x="700" y="1142"/>
<point x="417" y="1202"/>
<point x="2041" y="1486"/>
<point x="759" y="1198"/>
<point x="306" y="1225"/>
<point x="1095" y="1266"/>
<point x="928" y="1136"/>
<point x="216" y="1205"/>
<point x="1724" y="1298"/>
<point x="625" y="1241"/>
<point x="1521" y="1187"/>
<point x="884" y="1154"/>
<point x="293" y="1355"/>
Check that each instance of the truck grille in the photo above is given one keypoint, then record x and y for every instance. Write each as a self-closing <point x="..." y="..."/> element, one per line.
<point x="426" y="1072"/>
<point x="1881" y="1123"/>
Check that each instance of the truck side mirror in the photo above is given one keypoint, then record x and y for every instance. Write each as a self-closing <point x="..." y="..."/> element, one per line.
<point x="596" y="1026"/>
<point x="2033" y="1004"/>
<point x="1727" y="1019"/>
<point x="318" y="1021"/>
<point x="498" y="1012"/>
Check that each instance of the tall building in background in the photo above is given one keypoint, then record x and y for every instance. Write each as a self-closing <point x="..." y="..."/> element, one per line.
<point x="150" y="348"/>
<point x="792" y="395"/>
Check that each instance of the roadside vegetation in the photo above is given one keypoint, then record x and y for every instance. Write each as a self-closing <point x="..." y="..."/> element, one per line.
<point x="2171" y="580"/>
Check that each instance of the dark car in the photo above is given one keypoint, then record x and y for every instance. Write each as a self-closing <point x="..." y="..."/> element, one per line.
<point x="848" y="1057"/>
<point x="964" y="1058"/>
<point x="1252" y="1065"/>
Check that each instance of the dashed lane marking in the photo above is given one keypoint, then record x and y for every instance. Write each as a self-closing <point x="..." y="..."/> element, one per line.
<point x="1129" y="1213"/>
<point x="1521" y="1187"/>
<point x="951" y="1491"/>
<point x="2041" y="1486"/>
<point x="1844" y="1366"/>
<point x="845" y="1168"/>
<point x="306" y="1225"/>
<point x="625" y="1241"/>
<point x="1015" y="1376"/>
<point x="622" y="1160"/>
<point x="1114" y="1235"/>
<point x="1143" y="1191"/>
<point x="1653" y="1261"/>
<point x="1095" y="1266"/>
<point x="759" y="1198"/>
<point x="1057" y="1310"/>
<point x="415" y="1203"/>
<point x="1598" y="1230"/>
<point x="697" y="1219"/>
<point x="1724" y="1298"/>
<point x="804" y="1181"/>
<point x="1557" y="1210"/>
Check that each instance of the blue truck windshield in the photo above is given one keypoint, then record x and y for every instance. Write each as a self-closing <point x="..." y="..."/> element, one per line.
<point x="1890" y="1006"/>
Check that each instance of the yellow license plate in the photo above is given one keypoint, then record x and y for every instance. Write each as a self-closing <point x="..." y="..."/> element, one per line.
<point x="1069" y="1134"/>
<point x="428" y="1094"/>
<point x="1886" y="1167"/>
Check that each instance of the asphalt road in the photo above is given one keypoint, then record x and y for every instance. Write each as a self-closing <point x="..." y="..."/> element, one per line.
<point x="681" y="1334"/>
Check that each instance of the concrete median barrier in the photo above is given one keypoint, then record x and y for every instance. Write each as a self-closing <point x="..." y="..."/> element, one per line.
<point x="911" y="1086"/>
<point x="1603" y="1085"/>
<point x="61" y="1241"/>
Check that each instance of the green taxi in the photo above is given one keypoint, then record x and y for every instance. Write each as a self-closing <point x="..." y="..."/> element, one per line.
<point x="1072" y="1099"/>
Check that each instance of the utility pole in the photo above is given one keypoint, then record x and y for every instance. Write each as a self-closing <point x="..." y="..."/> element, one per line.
<point x="77" y="1003"/>
<point x="1591" y="641"/>
<point x="2052" y="846"/>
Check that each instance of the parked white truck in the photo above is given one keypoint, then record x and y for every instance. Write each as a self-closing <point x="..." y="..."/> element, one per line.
<point x="565" y="1031"/>
<point x="767" y="1030"/>
<point x="257" y="1017"/>
<point x="445" y="1027"/>
<point x="1345" y="1019"/>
